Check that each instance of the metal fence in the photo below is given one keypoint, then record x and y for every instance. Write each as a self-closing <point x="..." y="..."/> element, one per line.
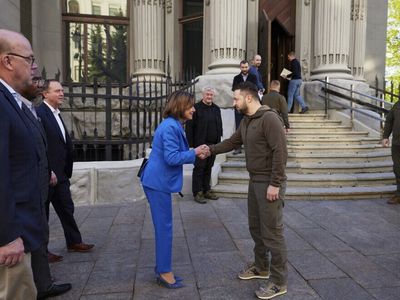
<point x="386" y="90"/>
<point x="116" y="121"/>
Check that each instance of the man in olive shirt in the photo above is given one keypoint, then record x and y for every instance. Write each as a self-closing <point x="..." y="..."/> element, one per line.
<point x="262" y="133"/>
<point x="392" y="125"/>
<point x="278" y="102"/>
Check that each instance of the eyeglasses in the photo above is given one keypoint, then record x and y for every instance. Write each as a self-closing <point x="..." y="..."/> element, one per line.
<point x="29" y="59"/>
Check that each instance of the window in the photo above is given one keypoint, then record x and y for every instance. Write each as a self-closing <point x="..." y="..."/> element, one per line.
<point x="192" y="36"/>
<point x="96" y="44"/>
<point x="96" y="9"/>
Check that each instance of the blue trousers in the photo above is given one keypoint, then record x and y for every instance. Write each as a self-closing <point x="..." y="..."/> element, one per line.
<point x="161" y="213"/>
<point x="294" y="93"/>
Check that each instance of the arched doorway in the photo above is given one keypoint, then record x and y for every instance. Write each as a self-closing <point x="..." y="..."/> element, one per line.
<point x="276" y="38"/>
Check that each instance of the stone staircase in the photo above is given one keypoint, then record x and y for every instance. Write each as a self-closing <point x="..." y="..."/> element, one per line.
<point x="326" y="160"/>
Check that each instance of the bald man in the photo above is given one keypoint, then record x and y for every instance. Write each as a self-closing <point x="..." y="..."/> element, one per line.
<point x="254" y="69"/>
<point x="21" y="227"/>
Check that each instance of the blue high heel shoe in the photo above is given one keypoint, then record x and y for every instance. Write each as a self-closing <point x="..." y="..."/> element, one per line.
<point x="161" y="282"/>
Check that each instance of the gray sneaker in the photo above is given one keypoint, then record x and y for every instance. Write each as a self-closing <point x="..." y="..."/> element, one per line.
<point x="270" y="291"/>
<point x="210" y="195"/>
<point x="199" y="198"/>
<point x="252" y="273"/>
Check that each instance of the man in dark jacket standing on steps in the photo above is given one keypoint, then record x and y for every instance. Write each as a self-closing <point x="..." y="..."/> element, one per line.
<point x="262" y="133"/>
<point x="295" y="84"/>
<point x="276" y="101"/>
<point x="243" y="76"/>
<point x="392" y="125"/>
<point x="204" y="128"/>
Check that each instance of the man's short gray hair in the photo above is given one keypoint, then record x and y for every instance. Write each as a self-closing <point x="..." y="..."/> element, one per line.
<point x="208" y="89"/>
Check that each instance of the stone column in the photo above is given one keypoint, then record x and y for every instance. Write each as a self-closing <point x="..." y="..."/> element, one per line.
<point x="148" y="37"/>
<point x="331" y="39"/>
<point x="228" y="20"/>
<point x="358" y="38"/>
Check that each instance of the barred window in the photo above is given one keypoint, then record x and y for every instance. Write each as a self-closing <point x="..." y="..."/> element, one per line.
<point x="96" y="37"/>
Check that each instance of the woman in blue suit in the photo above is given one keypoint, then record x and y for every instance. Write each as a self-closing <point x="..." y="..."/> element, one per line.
<point x="163" y="175"/>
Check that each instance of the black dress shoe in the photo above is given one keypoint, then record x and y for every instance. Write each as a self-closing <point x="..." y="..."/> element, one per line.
<point x="54" y="290"/>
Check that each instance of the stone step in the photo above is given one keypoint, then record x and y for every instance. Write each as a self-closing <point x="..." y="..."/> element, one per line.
<point x="308" y="193"/>
<point x="295" y="117"/>
<point x="327" y="135"/>
<point x="315" y="122"/>
<point x="317" y="180"/>
<point x="315" y="141"/>
<point x="310" y="148"/>
<point x="320" y="168"/>
<point x="312" y="126"/>
<point x="328" y="157"/>
<point x="319" y="129"/>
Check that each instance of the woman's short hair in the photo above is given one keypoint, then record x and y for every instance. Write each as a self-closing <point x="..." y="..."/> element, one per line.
<point x="177" y="103"/>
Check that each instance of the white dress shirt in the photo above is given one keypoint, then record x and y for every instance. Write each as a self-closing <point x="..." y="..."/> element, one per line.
<point x="29" y="105"/>
<point x="13" y="92"/>
<point x="56" y="113"/>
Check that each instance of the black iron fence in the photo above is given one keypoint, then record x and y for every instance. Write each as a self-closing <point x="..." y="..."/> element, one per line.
<point x="116" y="121"/>
<point x="386" y="90"/>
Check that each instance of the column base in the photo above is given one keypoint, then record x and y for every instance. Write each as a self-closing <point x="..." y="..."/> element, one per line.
<point x="331" y="71"/>
<point x="224" y="66"/>
<point x="147" y="74"/>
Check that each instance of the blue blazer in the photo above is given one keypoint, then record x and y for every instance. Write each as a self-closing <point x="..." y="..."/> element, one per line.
<point x="20" y="200"/>
<point x="170" y="150"/>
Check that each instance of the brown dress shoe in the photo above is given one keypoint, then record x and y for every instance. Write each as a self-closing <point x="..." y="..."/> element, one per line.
<point x="81" y="247"/>
<point x="53" y="258"/>
<point x="394" y="200"/>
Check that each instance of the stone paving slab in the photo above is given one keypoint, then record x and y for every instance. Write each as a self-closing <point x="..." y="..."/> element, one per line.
<point x="339" y="288"/>
<point x="338" y="250"/>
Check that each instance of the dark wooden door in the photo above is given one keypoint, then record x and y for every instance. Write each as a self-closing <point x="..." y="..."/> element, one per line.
<point x="276" y="38"/>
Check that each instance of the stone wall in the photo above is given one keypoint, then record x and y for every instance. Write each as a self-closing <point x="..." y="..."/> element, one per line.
<point x="375" y="40"/>
<point x="117" y="182"/>
<point x="10" y="15"/>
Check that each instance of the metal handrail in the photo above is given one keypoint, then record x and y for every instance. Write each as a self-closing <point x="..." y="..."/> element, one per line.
<point x="326" y="89"/>
<point x="354" y="92"/>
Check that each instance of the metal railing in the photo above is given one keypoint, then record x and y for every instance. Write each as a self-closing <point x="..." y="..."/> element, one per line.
<point x="116" y="121"/>
<point x="387" y="90"/>
<point x="357" y="101"/>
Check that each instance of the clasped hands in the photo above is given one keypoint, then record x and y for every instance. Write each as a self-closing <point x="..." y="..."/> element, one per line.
<point x="202" y="151"/>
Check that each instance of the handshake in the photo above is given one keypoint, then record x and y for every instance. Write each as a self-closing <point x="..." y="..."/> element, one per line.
<point x="202" y="151"/>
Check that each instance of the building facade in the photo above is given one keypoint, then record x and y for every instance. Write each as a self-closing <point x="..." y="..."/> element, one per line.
<point x="115" y="39"/>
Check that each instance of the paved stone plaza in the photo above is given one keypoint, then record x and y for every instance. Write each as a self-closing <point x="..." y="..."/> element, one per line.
<point x="339" y="250"/>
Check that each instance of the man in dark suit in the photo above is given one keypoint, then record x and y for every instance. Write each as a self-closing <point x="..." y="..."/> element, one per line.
<point x="21" y="230"/>
<point x="243" y="76"/>
<point x="60" y="160"/>
<point x="40" y="265"/>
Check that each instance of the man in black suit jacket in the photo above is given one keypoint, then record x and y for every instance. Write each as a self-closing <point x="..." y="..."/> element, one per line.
<point x="21" y="226"/>
<point x="60" y="160"/>
<point x="243" y="76"/>
<point x="40" y="265"/>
